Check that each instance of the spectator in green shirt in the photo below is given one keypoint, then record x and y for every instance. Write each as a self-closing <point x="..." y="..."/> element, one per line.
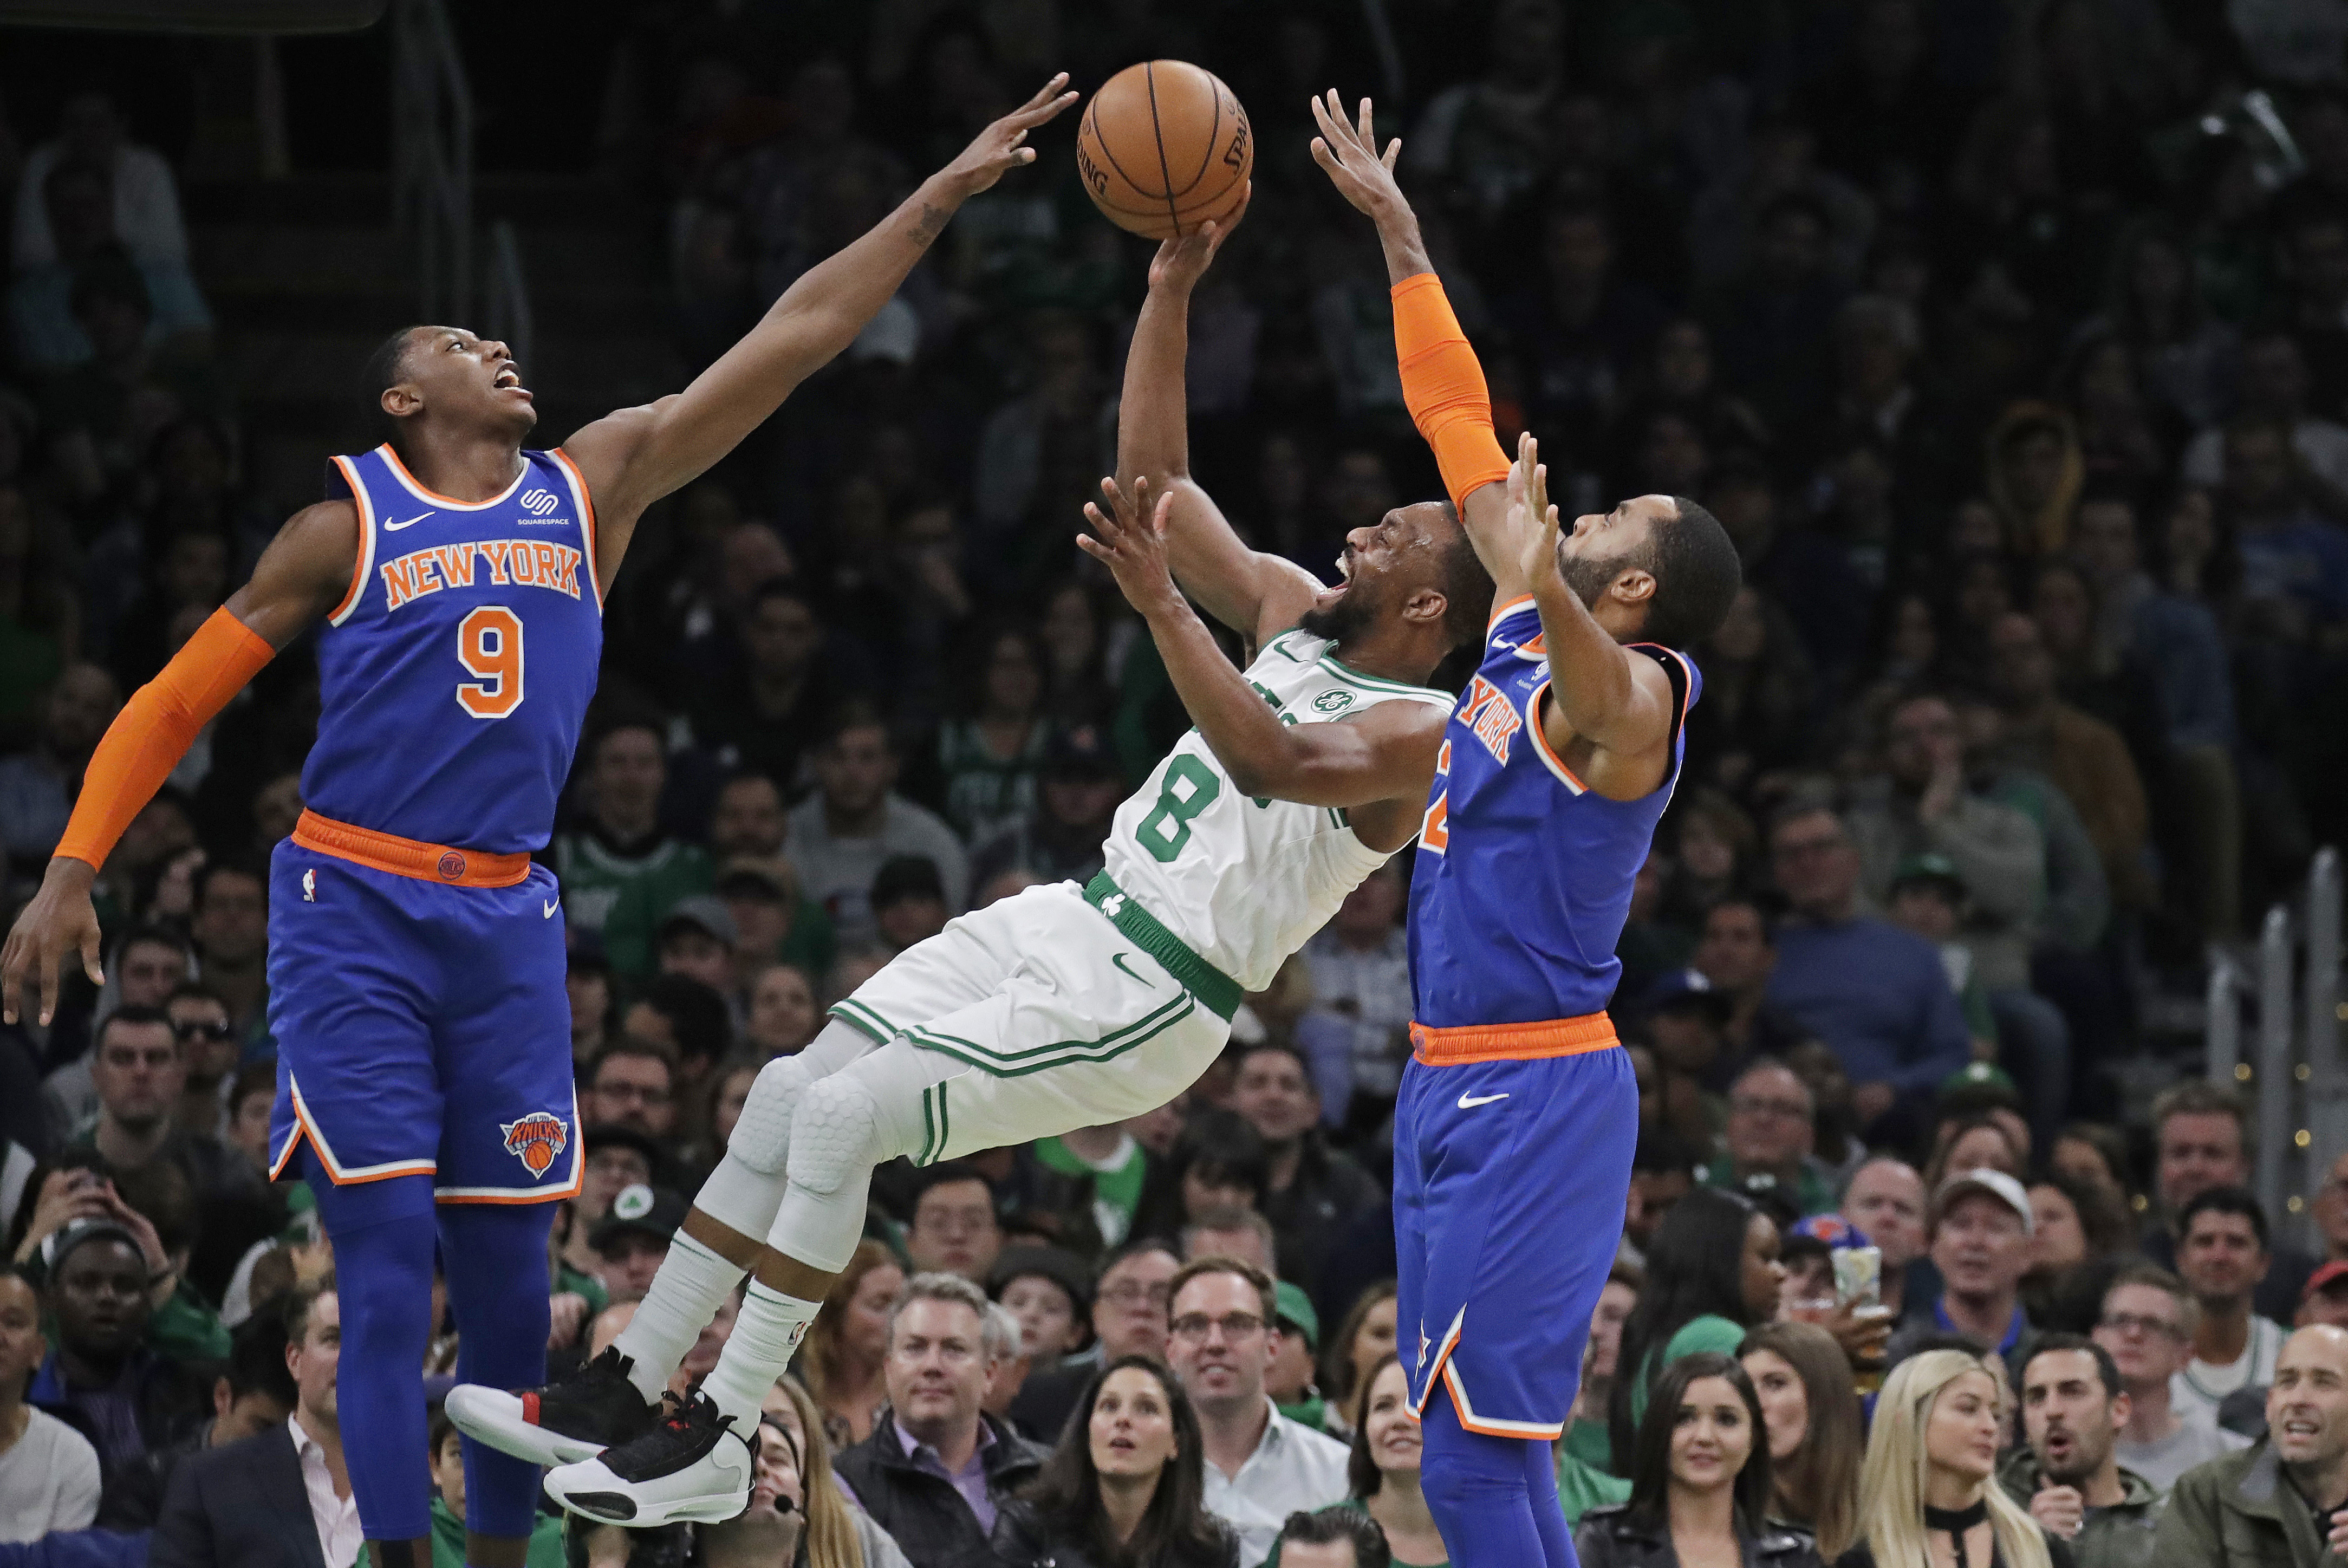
<point x="546" y="1550"/>
<point x="620" y="873"/>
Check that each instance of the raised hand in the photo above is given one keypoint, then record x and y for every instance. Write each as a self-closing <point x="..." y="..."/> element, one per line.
<point x="59" y="921"/>
<point x="1181" y="263"/>
<point x="1002" y="147"/>
<point x="1132" y="544"/>
<point x="1531" y="518"/>
<point x="1349" y="155"/>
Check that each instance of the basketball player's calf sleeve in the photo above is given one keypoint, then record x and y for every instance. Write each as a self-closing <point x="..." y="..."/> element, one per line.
<point x="154" y="730"/>
<point x="1476" y="1488"/>
<point x="383" y="1287"/>
<point x="1443" y="385"/>
<point x="501" y="1310"/>
<point x="686" y="1293"/>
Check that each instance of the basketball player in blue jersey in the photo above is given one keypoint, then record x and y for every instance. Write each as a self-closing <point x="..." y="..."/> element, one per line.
<point x="1514" y="1131"/>
<point x="416" y="962"/>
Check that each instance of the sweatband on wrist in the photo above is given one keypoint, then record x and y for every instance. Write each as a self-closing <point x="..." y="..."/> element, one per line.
<point x="1443" y="387"/>
<point x="154" y="730"/>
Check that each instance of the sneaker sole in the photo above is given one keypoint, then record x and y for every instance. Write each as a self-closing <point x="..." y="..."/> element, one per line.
<point x="608" y="1507"/>
<point x="494" y="1417"/>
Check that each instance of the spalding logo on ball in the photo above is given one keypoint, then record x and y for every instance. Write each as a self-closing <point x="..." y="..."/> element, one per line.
<point x="1164" y="148"/>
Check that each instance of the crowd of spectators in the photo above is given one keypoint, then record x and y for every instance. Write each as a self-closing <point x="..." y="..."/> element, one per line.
<point x="2009" y="342"/>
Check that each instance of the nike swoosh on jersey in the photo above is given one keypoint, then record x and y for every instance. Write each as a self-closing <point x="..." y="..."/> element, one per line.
<point x="551" y="905"/>
<point x="1469" y="1102"/>
<point x="1119" y="959"/>
<point x="411" y="522"/>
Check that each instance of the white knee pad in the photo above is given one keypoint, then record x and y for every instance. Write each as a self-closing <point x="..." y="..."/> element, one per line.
<point x="762" y="1137"/>
<point x="836" y="1136"/>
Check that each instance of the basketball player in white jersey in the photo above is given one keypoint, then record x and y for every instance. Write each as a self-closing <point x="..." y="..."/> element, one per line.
<point x="1063" y="1006"/>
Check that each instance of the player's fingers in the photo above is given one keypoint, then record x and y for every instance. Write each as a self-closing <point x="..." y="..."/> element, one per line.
<point x="1323" y="157"/>
<point x="12" y="977"/>
<point x="89" y="965"/>
<point x="1101" y="525"/>
<point x="46" y="972"/>
<point x="1393" y="151"/>
<point x="1093" y="547"/>
<point x="1161" y="512"/>
<point x="1368" y="138"/>
<point x="1046" y="93"/>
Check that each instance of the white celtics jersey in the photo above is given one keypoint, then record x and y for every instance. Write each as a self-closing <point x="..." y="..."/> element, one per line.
<point x="1244" y="882"/>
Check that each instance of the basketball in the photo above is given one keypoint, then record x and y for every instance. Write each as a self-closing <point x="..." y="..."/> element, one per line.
<point x="1164" y="148"/>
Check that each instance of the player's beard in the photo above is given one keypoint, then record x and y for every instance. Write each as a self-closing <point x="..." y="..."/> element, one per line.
<point x="1353" y="611"/>
<point x="1589" y="579"/>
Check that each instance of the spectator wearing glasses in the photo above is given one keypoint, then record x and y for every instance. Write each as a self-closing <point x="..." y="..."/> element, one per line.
<point x="633" y="1084"/>
<point x="141" y="1069"/>
<point x="1129" y="1314"/>
<point x="937" y="1468"/>
<point x="1770" y="1133"/>
<point x="954" y="1230"/>
<point x="1125" y="1485"/>
<point x="209" y="1049"/>
<point x="2148" y="1323"/>
<point x="1875" y="994"/>
<point x="1261" y="1466"/>
<point x="148" y="963"/>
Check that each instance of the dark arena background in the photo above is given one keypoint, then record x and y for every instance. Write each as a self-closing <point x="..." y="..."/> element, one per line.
<point x="2007" y="339"/>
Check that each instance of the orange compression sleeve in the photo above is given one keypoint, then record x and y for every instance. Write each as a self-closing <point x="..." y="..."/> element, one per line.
<point x="1443" y="387"/>
<point x="154" y="730"/>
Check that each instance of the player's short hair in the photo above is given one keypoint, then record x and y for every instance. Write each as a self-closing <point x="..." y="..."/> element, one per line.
<point x="945" y="1173"/>
<point x="194" y="991"/>
<point x="246" y="866"/>
<point x="2199" y="1097"/>
<point x="151" y="936"/>
<point x="1225" y="1220"/>
<point x="853" y="714"/>
<point x="1468" y="588"/>
<point x="2152" y="1276"/>
<point x="385" y="368"/>
<point x="634" y="1045"/>
<point x="256" y="1358"/>
<point x="956" y="1290"/>
<point x="1697" y="573"/>
<point x="2235" y="1200"/>
<point x="134" y="1018"/>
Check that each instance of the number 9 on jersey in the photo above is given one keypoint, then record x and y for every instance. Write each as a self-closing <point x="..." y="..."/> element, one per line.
<point x="489" y="644"/>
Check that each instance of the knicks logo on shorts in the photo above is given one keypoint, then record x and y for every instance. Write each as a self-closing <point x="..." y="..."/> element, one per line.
<point x="536" y="1139"/>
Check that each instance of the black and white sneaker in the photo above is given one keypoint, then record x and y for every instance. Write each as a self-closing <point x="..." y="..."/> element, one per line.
<point x="562" y="1422"/>
<point x="691" y="1466"/>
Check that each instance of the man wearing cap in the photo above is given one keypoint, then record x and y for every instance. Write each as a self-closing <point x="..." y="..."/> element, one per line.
<point x="1981" y="1233"/>
<point x="2325" y="1299"/>
<point x="696" y="939"/>
<point x="855" y="820"/>
<point x="1768" y="1135"/>
<point x="1290" y="1381"/>
<point x="1686" y="1019"/>
<point x="1927" y="897"/>
<point x="1059" y="838"/>
<point x="776" y="922"/>
<point x="100" y="1294"/>
<point x="634" y="1238"/>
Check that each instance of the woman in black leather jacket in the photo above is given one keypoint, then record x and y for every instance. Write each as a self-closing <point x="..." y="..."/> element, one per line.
<point x="1700" y="1481"/>
<point x="1124" y="1488"/>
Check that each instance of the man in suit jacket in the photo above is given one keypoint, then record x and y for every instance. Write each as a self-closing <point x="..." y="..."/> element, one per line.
<point x="281" y="1499"/>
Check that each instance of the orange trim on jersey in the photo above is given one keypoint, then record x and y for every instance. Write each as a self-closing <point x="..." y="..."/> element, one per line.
<point x="1442" y="1356"/>
<point x="586" y="520"/>
<point x="1488" y="1426"/>
<point x="519" y="1195"/>
<point x="399" y="470"/>
<point x="406" y="857"/>
<point x="364" y="561"/>
<point x="1549" y="758"/>
<point x="1511" y="1042"/>
<point x="305" y="1128"/>
<point x="1511" y="607"/>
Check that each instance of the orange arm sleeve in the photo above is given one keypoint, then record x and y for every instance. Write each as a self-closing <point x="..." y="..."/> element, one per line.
<point x="154" y="730"/>
<point x="1443" y="387"/>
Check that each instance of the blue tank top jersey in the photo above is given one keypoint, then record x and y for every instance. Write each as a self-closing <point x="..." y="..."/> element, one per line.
<point x="1523" y="876"/>
<point x="454" y="675"/>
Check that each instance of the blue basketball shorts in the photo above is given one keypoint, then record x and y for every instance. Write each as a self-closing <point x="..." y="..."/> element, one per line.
<point x="1511" y="1170"/>
<point x="422" y="1024"/>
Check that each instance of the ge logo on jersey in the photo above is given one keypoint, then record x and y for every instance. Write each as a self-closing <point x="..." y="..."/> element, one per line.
<point x="1333" y="701"/>
<point x="539" y="503"/>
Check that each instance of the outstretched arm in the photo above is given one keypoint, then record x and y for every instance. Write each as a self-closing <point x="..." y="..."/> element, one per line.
<point x="1442" y="383"/>
<point x="306" y="571"/>
<point x="1256" y="594"/>
<point x="632" y="458"/>
<point x="1608" y="707"/>
<point x="1387" y="754"/>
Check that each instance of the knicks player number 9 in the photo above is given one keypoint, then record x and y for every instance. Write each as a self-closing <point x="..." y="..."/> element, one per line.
<point x="489" y="644"/>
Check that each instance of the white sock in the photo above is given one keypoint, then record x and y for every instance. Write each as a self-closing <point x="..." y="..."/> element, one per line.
<point x="758" y="1353"/>
<point x="691" y="1284"/>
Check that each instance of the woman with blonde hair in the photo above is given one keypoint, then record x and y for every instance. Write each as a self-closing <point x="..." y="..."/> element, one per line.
<point x="1927" y="1494"/>
<point x="842" y="1358"/>
<point x="838" y="1534"/>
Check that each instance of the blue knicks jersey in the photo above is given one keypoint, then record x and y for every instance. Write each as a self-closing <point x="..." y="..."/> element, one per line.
<point x="1523" y="876"/>
<point x="454" y="675"/>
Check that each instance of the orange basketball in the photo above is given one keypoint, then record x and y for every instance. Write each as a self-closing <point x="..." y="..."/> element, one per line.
<point x="1164" y="148"/>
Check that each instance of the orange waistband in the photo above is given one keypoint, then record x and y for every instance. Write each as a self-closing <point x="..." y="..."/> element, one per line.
<point x="406" y="857"/>
<point x="1512" y="1042"/>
